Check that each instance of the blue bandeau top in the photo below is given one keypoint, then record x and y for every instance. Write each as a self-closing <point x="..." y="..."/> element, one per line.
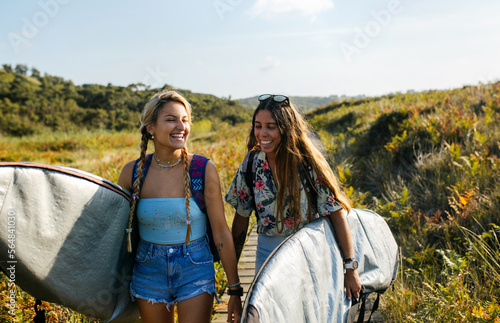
<point x="163" y="220"/>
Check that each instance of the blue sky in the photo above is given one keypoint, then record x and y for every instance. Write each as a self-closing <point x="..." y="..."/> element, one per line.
<point x="244" y="48"/>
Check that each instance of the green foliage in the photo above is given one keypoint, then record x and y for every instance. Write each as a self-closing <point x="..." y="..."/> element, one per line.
<point x="430" y="164"/>
<point x="33" y="104"/>
<point x="460" y="288"/>
<point x="24" y="308"/>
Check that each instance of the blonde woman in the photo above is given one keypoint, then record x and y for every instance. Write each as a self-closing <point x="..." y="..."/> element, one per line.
<point x="286" y="159"/>
<point x="174" y="265"/>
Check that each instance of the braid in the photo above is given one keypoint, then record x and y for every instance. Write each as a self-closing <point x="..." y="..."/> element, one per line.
<point x="187" y="192"/>
<point x="136" y="187"/>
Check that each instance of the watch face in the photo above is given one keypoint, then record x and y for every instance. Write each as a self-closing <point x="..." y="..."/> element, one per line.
<point x="352" y="265"/>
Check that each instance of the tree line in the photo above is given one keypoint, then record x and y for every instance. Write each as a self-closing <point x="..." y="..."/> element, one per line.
<point x="31" y="103"/>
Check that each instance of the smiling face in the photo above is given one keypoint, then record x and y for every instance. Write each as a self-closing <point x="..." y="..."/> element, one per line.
<point x="267" y="132"/>
<point x="171" y="129"/>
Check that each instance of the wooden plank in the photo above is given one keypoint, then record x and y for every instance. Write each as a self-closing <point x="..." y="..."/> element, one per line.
<point x="246" y="271"/>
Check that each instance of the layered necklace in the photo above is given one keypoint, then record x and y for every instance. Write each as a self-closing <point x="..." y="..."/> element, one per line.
<point x="158" y="161"/>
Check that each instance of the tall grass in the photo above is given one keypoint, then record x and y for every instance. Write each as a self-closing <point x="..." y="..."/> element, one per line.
<point x="428" y="162"/>
<point x="458" y="288"/>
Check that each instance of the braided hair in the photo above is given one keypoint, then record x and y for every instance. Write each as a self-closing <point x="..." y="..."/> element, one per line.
<point x="149" y="115"/>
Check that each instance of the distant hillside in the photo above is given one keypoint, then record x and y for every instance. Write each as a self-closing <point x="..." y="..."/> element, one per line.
<point x="35" y="103"/>
<point x="304" y="103"/>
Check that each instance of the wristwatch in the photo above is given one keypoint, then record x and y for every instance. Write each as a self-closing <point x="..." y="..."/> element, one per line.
<point x="350" y="263"/>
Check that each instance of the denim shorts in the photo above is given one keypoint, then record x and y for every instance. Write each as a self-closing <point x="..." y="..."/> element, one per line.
<point x="265" y="246"/>
<point x="172" y="273"/>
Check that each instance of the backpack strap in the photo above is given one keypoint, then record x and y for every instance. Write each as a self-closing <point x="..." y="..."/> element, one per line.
<point x="306" y="173"/>
<point x="197" y="184"/>
<point x="40" y="314"/>
<point x="359" y="307"/>
<point x="149" y="157"/>
<point x="361" y="317"/>
<point x="197" y="180"/>
<point x="374" y="307"/>
<point x="249" y="169"/>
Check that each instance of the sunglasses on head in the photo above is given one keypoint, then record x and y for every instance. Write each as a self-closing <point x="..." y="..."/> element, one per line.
<point x="276" y="97"/>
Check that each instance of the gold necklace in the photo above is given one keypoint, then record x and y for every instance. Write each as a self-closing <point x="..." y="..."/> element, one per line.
<point x="166" y="166"/>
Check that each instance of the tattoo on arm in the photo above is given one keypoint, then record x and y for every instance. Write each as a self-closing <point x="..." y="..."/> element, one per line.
<point x="239" y="242"/>
<point x="220" y="246"/>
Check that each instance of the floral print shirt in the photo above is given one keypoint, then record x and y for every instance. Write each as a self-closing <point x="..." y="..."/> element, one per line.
<point x="265" y="193"/>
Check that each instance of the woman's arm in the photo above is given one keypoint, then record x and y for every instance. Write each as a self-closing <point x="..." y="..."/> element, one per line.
<point x="239" y="232"/>
<point x="222" y="236"/>
<point x="352" y="283"/>
<point x="125" y="179"/>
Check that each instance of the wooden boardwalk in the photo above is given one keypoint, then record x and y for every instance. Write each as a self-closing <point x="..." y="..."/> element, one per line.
<point x="246" y="270"/>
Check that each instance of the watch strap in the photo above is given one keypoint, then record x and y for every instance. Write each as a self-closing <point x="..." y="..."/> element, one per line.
<point x="235" y="292"/>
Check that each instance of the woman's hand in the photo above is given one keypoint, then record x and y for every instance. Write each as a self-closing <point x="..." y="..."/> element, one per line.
<point x="352" y="283"/>
<point x="222" y="237"/>
<point x="234" y="309"/>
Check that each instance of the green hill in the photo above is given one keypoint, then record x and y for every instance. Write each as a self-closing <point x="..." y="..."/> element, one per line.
<point x="304" y="103"/>
<point x="396" y="138"/>
<point x="36" y="103"/>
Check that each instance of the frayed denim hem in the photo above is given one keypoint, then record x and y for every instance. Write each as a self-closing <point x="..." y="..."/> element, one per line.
<point x="204" y="289"/>
<point x="134" y="297"/>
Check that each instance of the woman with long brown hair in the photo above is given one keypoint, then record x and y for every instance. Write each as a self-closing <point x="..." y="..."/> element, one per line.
<point x="287" y="158"/>
<point x="174" y="264"/>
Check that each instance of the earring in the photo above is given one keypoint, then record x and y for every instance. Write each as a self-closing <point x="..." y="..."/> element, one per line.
<point x="152" y="137"/>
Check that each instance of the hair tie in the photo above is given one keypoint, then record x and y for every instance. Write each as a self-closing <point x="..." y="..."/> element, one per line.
<point x="129" y="240"/>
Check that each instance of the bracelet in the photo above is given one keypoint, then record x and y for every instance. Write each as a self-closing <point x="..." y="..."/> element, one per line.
<point x="235" y="292"/>
<point x="234" y="285"/>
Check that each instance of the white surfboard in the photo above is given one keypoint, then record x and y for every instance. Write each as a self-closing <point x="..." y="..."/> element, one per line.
<point x="303" y="279"/>
<point x="63" y="239"/>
